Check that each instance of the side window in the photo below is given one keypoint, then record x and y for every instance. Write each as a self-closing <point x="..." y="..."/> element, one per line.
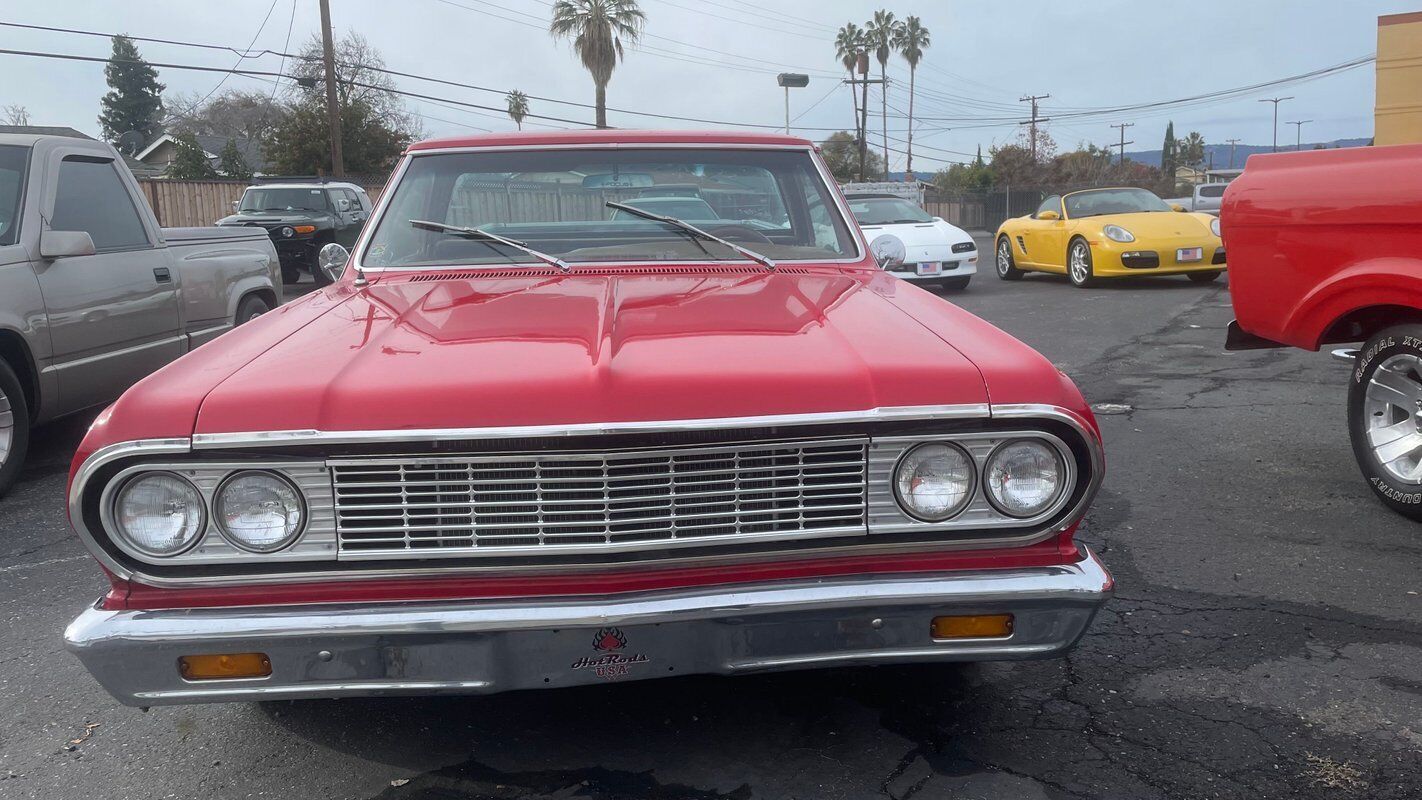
<point x="1053" y="203"/>
<point x="92" y="198"/>
<point x="829" y="233"/>
<point x="356" y="204"/>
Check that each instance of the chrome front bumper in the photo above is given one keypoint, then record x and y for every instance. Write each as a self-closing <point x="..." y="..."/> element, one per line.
<point x="483" y="647"/>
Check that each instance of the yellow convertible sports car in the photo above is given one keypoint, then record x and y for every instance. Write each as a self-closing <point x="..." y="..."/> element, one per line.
<point x="1110" y="233"/>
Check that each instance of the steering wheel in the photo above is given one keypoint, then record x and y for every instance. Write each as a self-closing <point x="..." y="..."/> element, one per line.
<point x="739" y="233"/>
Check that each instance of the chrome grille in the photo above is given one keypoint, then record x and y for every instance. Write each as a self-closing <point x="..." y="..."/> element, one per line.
<point x="548" y="503"/>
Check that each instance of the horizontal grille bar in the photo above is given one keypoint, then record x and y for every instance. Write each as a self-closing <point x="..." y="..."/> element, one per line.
<point x="535" y="503"/>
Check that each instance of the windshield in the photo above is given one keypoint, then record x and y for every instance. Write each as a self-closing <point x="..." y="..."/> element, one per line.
<point x="297" y="199"/>
<point x="886" y="211"/>
<point x="12" y="179"/>
<point x="773" y="202"/>
<point x="1112" y="201"/>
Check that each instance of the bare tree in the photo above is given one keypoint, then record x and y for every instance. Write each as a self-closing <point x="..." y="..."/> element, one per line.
<point x="17" y="115"/>
<point x="359" y="80"/>
<point x="233" y="114"/>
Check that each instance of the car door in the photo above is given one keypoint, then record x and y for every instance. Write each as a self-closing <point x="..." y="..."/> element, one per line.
<point x="1038" y="234"/>
<point x="1051" y="237"/>
<point x="350" y="216"/>
<point x="113" y="315"/>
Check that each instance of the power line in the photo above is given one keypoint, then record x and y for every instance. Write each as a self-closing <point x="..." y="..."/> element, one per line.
<point x="241" y="58"/>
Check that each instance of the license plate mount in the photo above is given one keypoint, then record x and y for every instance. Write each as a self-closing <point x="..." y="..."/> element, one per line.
<point x="930" y="268"/>
<point x="1188" y="254"/>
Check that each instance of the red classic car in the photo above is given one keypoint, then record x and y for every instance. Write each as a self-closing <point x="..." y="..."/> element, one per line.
<point x="1326" y="248"/>
<point x="539" y="434"/>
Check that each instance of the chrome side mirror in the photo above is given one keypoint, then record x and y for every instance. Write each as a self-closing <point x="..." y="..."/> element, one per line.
<point x="235" y="204"/>
<point x="65" y="244"/>
<point x="332" y="260"/>
<point x="888" y="250"/>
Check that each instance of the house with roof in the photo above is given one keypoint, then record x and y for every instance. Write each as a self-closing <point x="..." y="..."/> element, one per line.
<point x="138" y="168"/>
<point x="161" y="152"/>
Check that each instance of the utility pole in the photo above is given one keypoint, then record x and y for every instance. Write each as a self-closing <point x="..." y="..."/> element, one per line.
<point x="861" y="66"/>
<point x="1298" y="133"/>
<point x="1035" y="119"/>
<point x="1232" y="143"/>
<point x="1276" y="101"/>
<point x="333" y="103"/>
<point x="1123" y="126"/>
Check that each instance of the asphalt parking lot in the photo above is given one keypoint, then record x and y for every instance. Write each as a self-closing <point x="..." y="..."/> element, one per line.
<point x="1265" y="640"/>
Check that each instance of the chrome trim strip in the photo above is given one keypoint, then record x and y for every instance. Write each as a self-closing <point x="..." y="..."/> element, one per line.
<point x="209" y="441"/>
<point x="86" y="360"/>
<point x="1011" y="411"/>
<point x="855" y="234"/>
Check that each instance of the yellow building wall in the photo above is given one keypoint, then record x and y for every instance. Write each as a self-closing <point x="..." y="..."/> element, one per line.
<point x="1397" y="118"/>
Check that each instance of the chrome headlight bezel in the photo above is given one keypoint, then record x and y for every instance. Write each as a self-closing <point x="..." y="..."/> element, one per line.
<point x="218" y="496"/>
<point x="1117" y="234"/>
<point x="112" y="510"/>
<point x="1063" y="478"/>
<point x="952" y="511"/>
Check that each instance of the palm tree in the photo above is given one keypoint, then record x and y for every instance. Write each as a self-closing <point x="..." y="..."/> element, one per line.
<point x="911" y="39"/>
<point x="880" y="34"/>
<point x="847" y="45"/>
<point x="518" y="107"/>
<point x="597" y="28"/>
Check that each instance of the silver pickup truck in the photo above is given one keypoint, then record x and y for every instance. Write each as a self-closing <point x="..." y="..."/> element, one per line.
<point x="93" y="294"/>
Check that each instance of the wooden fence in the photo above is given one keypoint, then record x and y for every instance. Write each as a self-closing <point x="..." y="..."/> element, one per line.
<point x="184" y="204"/>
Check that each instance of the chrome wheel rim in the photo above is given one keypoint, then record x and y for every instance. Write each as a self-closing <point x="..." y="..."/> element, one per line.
<point x="1080" y="272"/>
<point x="1392" y="408"/>
<point x="1004" y="257"/>
<point x="7" y="426"/>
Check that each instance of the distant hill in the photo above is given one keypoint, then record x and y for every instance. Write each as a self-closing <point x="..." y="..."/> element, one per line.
<point x="1241" y="152"/>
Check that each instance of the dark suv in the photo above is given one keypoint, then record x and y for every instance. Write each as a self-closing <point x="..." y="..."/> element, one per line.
<point x="301" y="218"/>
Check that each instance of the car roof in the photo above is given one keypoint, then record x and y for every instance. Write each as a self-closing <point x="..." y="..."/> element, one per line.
<point x="611" y="136"/>
<point x="312" y="185"/>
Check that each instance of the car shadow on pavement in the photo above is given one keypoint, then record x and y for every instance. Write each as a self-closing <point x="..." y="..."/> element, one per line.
<point x="704" y="731"/>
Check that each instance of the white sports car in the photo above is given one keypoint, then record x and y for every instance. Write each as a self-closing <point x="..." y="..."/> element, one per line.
<point x="923" y="248"/>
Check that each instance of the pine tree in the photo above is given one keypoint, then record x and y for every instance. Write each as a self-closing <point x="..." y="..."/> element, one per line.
<point x="135" y="98"/>
<point x="1169" y="158"/>
<point x="232" y="164"/>
<point x="190" y="161"/>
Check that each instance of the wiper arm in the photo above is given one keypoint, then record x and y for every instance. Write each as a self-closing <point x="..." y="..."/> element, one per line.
<point x="689" y="228"/>
<point x="485" y="236"/>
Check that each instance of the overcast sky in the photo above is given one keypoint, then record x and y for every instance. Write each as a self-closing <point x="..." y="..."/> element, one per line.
<point x="1087" y="54"/>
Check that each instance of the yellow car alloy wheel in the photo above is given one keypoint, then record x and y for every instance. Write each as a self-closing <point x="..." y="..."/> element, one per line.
<point x="1079" y="263"/>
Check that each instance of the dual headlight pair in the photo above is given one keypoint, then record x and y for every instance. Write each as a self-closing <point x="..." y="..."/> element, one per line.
<point x="163" y="514"/>
<point x="1021" y="478"/>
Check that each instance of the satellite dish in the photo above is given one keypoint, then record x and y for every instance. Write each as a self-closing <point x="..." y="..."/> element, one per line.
<point x="129" y="143"/>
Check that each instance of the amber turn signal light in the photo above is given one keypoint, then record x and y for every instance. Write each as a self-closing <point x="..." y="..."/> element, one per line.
<point x="217" y="666"/>
<point x="987" y="626"/>
<point x="305" y="228"/>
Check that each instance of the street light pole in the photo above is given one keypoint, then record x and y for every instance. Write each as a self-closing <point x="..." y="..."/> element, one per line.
<point x="1298" y="133"/>
<point x="1276" y="101"/>
<point x="791" y="80"/>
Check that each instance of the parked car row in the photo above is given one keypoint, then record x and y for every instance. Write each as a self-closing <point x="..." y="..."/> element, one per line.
<point x="672" y="412"/>
<point x="93" y="294"/>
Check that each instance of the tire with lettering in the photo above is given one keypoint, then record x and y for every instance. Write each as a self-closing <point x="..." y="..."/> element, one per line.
<point x="1385" y="417"/>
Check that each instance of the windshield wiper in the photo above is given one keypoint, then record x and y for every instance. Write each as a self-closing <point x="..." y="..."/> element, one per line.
<point x="692" y="229"/>
<point x="485" y="236"/>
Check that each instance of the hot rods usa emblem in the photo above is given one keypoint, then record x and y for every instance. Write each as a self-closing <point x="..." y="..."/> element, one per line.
<point x="612" y="663"/>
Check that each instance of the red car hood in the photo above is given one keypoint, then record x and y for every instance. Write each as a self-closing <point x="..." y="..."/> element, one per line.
<point x="535" y="350"/>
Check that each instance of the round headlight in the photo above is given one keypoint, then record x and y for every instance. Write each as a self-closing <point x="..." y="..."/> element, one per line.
<point x="287" y="232"/>
<point x="1215" y="225"/>
<point x="1024" y="477"/>
<point x="259" y="511"/>
<point x="934" y="481"/>
<point x="1118" y="234"/>
<point x="159" y="514"/>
